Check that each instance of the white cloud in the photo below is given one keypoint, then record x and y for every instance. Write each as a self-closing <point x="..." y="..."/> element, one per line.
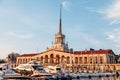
<point x="22" y="36"/>
<point x="112" y="12"/>
<point x="110" y="36"/>
<point x="114" y="36"/>
<point x="65" y="4"/>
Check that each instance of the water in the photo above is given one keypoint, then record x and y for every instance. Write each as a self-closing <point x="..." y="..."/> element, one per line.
<point x="97" y="78"/>
<point x="93" y="78"/>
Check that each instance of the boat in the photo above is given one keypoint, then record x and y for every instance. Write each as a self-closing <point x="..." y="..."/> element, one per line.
<point x="6" y="71"/>
<point x="32" y="69"/>
<point x="54" y="69"/>
<point x="51" y="69"/>
<point x="26" y="69"/>
<point x="57" y="71"/>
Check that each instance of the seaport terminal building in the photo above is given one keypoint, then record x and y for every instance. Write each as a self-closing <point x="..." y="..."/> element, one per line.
<point x="59" y="54"/>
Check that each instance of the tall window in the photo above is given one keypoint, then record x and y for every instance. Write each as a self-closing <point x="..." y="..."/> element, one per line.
<point x="41" y="59"/>
<point x="46" y="58"/>
<point x="51" y="58"/>
<point x="57" y="59"/>
<point x="96" y="60"/>
<point x="68" y="60"/>
<point x="76" y="60"/>
<point x="62" y="59"/>
<point x="25" y="60"/>
<point x="80" y="60"/>
<point x="85" y="60"/>
<point x="101" y="60"/>
<point x="90" y="60"/>
<point x="18" y="61"/>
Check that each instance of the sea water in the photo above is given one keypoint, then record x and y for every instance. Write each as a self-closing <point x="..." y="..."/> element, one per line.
<point x="99" y="78"/>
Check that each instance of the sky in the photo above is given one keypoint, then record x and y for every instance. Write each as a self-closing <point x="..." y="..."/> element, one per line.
<point x="29" y="26"/>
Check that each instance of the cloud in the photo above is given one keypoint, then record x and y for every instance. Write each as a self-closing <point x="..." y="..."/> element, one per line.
<point x="65" y="4"/>
<point x="112" y="12"/>
<point x="114" y="36"/>
<point x="21" y="36"/>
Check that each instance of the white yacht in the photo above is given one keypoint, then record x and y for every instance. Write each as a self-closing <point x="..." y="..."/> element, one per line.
<point x="32" y="69"/>
<point x="57" y="71"/>
<point x="52" y="69"/>
<point x="6" y="71"/>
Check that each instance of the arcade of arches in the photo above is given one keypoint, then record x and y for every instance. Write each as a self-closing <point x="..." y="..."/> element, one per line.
<point x="66" y="59"/>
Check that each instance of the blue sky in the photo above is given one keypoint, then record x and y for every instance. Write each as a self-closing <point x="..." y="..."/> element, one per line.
<point x="29" y="26"/>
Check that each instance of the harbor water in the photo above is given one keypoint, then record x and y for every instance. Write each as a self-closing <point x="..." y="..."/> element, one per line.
<point x="98" y="78"/>
<point x="92" y="78"/>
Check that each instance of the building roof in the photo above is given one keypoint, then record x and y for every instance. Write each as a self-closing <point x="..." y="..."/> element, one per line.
<point x="27" y="55"/>
<point x="93" y="51"/>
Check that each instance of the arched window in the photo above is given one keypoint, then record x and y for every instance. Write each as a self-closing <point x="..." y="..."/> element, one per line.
<point x="46" y="58"/>
<point x="57" y="59"/>
<point x="68" y="60"/>
<point x="62" y="59"/>
<point x="51" y="58"/>
<point x="41" y="59"/>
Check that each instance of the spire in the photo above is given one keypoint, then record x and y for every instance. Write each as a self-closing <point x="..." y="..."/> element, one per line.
<point x="59" y="43"/>
<point x="60" y="23"/>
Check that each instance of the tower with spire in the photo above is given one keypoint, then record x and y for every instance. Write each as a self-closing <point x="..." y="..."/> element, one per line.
<point x="59" y="43"/>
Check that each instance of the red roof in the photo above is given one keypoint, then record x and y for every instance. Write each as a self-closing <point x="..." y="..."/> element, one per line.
<point x="93" y="51"/>
<point x="27" y="55"/>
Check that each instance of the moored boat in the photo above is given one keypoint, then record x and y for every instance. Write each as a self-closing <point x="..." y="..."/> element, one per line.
<point x="32" y="69"/>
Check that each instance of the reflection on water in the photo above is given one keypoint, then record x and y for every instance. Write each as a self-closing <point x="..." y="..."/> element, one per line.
<point x="95" y="78"/>
<point x="102" y="78"/>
